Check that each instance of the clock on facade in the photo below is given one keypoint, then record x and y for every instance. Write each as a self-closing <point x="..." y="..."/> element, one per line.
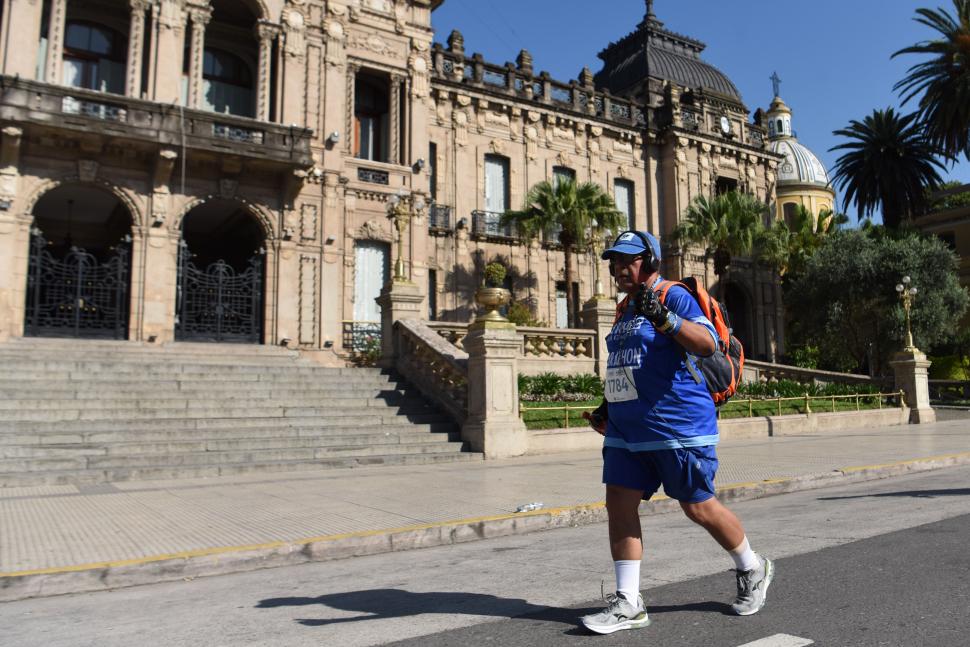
<point x="725" y="125"/>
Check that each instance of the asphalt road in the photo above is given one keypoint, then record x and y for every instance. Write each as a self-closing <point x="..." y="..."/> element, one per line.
<point x="878" y="563"/>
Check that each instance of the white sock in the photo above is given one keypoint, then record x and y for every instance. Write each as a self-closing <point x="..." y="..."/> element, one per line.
<point x="744" y="558"/>
<point x="628" y="578"/>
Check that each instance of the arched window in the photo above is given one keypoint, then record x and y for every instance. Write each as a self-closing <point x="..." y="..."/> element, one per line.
<point x="227" y="84"/>
<point x="94" y="57"/>
<point x="781" y="127"/>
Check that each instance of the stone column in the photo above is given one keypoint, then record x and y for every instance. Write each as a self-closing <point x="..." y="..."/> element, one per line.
<point x="21" y="32"/>
<point x="293" y="107"/>
<point x="493" y="426"/>
<point x="394" y="120"/>
<point x="598" y="314"/>
<point x="910" y="367"/>
<point x="398" y="300"/>
<point x="14" y="238"/>
<point x="266" y="32"/>
<point x="168" y="49"/>
<point x="136" y="46"/>
<point x="55" y="41"/>
<point x="200" y="18"/>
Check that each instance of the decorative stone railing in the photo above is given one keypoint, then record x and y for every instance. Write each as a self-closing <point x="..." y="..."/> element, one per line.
<point x="38" y="104"/>
<point x="578" y="96"/>
<point x="565" y="351"/>
<point x="438" y="368"/>
<point x="755" y="371"/>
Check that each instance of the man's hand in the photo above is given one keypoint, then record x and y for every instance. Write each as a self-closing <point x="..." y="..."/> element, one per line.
<point x="597" y="418"/>
<point x="647" y="303"/>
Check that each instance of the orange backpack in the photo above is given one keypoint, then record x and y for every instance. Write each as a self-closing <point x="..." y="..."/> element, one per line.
<point x="722" y="370"/>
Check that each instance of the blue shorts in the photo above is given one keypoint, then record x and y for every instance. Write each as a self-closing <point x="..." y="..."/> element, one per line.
<point x="687" y="474"/>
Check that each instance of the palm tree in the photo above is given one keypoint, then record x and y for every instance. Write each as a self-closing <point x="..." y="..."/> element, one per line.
<point x="943" y="81"/>
<point x="578" y="212"/>
<point x="888" y="164"/>
<point x="726" y="225"/>
<point x="807" y="233"/>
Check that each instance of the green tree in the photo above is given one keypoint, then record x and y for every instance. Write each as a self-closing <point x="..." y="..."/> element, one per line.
<point x="887" y="164"/>
<point x="953" y="200"/>
<point x="942" y="82"/>
<point x="807" y="233"/>
<point x="848" y="307"/>
<point x="577" y="211"/>
<point x="725" y="226"/>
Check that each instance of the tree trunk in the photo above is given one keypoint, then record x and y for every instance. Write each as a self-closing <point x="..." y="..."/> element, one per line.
<point x="568" y="272"/>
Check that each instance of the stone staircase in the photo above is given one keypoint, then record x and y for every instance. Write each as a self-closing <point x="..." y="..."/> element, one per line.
<point x="85" y="412"/>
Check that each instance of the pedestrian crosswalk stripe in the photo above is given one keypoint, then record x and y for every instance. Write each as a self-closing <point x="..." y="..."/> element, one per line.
<point x="780" y="640"/>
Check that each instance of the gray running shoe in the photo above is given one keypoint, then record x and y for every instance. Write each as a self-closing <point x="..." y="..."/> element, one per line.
<point x="753" y="588"/>
<point x="619" y="614"/>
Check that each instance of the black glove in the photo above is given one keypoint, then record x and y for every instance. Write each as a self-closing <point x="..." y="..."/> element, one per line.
<point x="647" y="303"/>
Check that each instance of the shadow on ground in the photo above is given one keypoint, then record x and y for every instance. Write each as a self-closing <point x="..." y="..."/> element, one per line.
<point x="375" y="604"/>
<point x="915" y="494"/>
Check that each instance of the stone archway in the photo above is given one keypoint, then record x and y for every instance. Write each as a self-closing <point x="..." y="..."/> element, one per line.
<point x="220" y="290"/>
<point x="79" y="268"/>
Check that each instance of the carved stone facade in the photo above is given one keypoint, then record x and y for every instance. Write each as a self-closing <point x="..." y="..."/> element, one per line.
<point x="323" y="113"/>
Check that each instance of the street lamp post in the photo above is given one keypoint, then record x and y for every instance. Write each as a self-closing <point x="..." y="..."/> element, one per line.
<point x="400" y="208"/>
<point x="906" y="295"/>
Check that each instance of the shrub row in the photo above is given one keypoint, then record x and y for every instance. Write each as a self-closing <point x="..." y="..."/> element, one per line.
<point x="577" y="388"/>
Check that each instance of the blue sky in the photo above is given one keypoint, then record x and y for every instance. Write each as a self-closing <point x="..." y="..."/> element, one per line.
<point x="833" y="56"/>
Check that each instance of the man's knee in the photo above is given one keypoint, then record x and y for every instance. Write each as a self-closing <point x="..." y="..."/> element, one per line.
<point x="704" y="513"/>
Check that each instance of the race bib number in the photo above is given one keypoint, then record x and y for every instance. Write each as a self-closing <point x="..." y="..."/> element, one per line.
<point x="619" y="386"/>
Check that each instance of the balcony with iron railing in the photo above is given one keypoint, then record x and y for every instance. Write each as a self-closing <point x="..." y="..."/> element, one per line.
<point x="439" y="217"/>
<point x="33" y="103"/>
<point x="487" y="224"/>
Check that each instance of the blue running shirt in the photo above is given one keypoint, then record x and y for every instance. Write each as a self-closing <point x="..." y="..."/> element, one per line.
<point x="655" y="402"/>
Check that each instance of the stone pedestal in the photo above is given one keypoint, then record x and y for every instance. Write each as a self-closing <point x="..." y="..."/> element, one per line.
<point x="910" y="367"/>
<point x="493" y="426"/>
<point x="398" y="300"/>
<point x="598" y="314"/>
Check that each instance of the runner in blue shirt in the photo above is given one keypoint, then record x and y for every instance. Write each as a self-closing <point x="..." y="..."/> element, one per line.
<point x="660" y="428"/>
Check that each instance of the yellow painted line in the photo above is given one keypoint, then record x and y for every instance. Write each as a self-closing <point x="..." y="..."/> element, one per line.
<point x="552" y="512"/>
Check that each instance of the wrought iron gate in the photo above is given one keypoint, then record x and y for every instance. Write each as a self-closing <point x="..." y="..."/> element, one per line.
<point x="77" y="295"/>
<point x="218" y="303"/>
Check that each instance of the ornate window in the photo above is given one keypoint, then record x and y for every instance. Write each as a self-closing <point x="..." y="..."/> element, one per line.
<point x="227" y="84"/>
<point x="623" y="197"/>
<point x="94" y="57"/>
<point x="371" y="118"/>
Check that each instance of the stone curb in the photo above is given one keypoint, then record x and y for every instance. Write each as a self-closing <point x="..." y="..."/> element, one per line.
<point x="188" y="565"/>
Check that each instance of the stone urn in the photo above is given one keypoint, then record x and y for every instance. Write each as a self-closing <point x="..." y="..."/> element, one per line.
<point x="491" y="299"/>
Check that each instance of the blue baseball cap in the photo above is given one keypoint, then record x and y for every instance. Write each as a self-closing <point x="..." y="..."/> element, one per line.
<point x="632" y="242"/>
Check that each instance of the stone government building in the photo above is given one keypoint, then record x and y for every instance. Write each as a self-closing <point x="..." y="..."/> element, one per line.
<point x="223" y="170"/>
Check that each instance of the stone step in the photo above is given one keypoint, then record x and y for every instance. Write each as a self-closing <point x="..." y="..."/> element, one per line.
<point x="253" y="380"/>
<point x="202" y="412"/>
<point x="66" y="365"/>
<point x="53" y="434"/>
<point x="169" y="434"/>
<point x="146" y="447"/>
<point x="214" y="458"/>
<point x="204" y="401"/>
<point x="90" y="477"/>
<point x="212" y="392"/>
<point x="115" y="347"/>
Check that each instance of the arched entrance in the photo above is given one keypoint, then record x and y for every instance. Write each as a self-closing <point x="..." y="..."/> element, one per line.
<point x="78" y="277"/>
<point x="739" y="311"/>
<point x="220" y="287"/>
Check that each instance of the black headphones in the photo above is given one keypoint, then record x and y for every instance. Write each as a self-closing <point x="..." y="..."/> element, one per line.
<point x="652" y="261"/>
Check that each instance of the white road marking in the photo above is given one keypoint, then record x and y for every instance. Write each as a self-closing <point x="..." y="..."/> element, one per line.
<point x="780" y="640"/>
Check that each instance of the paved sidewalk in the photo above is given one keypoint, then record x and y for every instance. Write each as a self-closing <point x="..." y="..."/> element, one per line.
<point x="58" y="539"/>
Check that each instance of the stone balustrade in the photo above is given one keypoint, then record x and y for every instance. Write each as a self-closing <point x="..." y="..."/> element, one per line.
<point x="755" y="371"/>
<point x="438" y="368"/>
<point x="544" y="350"/>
